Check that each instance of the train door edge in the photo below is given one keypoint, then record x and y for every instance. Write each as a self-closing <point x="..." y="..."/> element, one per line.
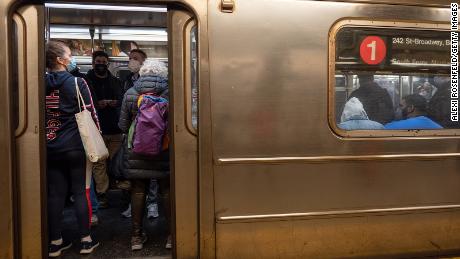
<point x="23" y="41"/>
<point x="191" y="124"/>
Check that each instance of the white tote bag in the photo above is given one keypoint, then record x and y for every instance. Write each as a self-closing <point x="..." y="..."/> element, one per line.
<point x="90" y="136"/>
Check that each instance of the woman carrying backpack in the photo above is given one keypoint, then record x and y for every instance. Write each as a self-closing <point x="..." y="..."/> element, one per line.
<point x="141" y="168"/>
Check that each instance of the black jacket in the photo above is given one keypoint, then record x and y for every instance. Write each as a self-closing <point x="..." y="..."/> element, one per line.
<point x="61" y="105"/>
<point x="136" y="166"/>
<point x="439" y="108"/>
<point x="376" y="101"/>
<point x="108" y="88"/>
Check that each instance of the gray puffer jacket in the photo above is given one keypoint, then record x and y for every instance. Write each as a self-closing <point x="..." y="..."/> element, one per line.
<point x="137" y="166"/>
<point x="145" y="84"/>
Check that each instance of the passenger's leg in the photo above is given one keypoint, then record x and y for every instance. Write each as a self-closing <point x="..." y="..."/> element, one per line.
<point x="152" y="199"/>
<point x="101" y="179"/>
<point x="94" y="205"/>
<point x="57" y="192"/>
<point x="77" y="164"/>
<point x="138" y="192"/>
<point x="164" y="190"/>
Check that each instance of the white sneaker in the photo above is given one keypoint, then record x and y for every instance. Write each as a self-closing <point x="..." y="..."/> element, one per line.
<point x="127" y="212"/>
<point x="152" y="211"/>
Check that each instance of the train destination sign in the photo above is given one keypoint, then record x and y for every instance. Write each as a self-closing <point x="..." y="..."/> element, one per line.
<point x="388" y="49"/>
<point x="372" y="50"/>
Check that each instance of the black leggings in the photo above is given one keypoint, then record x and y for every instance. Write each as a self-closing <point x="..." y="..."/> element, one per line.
<point x="66" y="170"/>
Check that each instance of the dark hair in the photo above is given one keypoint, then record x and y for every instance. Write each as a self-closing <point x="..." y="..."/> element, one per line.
<point x="365" y="79"/>
<point x="125" y="45"/>
<point x="143" y="54"/>
<point x="417" y="101"/>
<point x="100" y="53"/>
<point x="54" y="49"/>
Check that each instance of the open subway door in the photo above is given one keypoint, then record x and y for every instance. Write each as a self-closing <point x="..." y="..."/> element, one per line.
<point x="22" y="220"/>
<point x="23" y="175"/>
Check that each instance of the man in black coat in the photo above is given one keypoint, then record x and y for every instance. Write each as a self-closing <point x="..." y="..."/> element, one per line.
<point x="107" y="92"/>
<point x="376" y="100"/>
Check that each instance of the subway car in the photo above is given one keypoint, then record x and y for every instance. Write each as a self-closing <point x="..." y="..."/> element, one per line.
<point x="260" y="166"/>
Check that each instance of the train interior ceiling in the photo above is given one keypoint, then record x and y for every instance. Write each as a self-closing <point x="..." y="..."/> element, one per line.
<point x="115" y="30"/>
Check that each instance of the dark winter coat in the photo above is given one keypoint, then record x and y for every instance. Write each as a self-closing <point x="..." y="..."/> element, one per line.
<point x="439" y="108"/>
<point x="376" y="101"/>
<point x="137" y="166"/>
<point x="108" y="88"/>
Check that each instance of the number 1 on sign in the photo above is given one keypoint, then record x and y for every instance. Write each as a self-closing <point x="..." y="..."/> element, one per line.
<point x="373" y="46"/>
<point x="372" y="50"/>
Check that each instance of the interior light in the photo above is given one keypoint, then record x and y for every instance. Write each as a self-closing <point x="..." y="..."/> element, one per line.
<point x="108" y="7"/>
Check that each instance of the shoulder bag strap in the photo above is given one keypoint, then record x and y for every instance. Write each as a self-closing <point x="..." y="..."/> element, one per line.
<point x="79" y="96"/>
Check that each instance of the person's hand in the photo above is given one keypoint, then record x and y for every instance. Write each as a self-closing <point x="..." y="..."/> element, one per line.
<point x="102" y="104"/>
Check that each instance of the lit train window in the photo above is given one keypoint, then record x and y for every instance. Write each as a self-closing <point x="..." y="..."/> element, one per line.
<point x="194" y="73"/>
<point x="391" y="82"/>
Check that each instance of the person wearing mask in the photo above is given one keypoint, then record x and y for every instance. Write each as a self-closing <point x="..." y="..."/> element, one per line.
<point x="137" y="58"/>
<point x="414" y="113"/>
<point x="107" y="93"/>
<point x="376" y="100"/>
<point x="354" y="117"/>
<point x="74" y="69"/>
<point x="66" y="158"/>
<point x="153" y="79"/>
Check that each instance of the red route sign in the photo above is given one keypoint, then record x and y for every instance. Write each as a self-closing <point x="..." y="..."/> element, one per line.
<point x="372" y="50"/>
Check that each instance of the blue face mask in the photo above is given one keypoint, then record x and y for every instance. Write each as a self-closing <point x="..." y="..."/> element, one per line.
<point x="72" y="65"/>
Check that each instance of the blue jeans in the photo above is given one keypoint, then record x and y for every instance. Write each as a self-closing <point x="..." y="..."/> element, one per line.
<point x="152" y="196"/>
<point x="93" y="198"/>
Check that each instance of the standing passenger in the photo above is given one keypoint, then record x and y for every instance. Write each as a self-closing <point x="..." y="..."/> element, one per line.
<point x="136" y="60"/>
<point x="153" y="79"/>
<point x="439" y="105"/>
<point x="66" y="159"/>
<point x="107" y="93"/>
<point x="376" y="100"/>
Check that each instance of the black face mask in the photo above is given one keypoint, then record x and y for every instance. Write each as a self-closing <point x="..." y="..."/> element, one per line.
<point x="100" y="69"/>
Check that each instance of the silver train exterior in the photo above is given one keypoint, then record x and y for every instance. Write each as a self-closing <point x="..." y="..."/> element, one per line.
<point x="267" y="174"/>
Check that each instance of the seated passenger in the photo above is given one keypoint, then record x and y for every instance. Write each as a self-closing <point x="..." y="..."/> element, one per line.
<point x="414" y="115"/>
<point x="354" y="117"/>
<point x="376" y="100"/>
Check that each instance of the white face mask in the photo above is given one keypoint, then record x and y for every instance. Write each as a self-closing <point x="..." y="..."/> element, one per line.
<point x="134" y="65"/>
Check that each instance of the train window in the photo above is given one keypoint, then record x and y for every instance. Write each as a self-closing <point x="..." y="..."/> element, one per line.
<point x="391" y="81"/>
<point x="15" y="78"/>
<point x="194" y="73"/>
